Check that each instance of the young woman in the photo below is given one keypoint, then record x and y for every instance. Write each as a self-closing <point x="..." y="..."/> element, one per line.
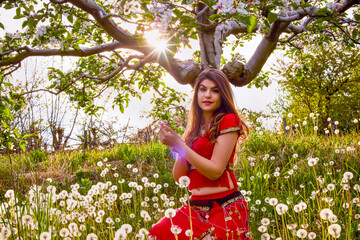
<point x="218" y="210"/>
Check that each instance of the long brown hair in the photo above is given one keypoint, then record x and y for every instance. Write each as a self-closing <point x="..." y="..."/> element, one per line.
<point x="193" y="130"/>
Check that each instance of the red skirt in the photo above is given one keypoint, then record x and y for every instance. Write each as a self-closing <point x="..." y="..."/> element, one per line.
<point x="222" y="217"/>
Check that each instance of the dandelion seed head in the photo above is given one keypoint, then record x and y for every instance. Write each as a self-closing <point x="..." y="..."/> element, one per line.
<point x="91" y="236"/>
<point x="281" y="208"/>
<point x="301" y="233"/>
<point x="184" y="181"/>
<point x="333" y="218"/>
<point x="10" y="194"/>
<point x="262" y="229"/>
<point x="265" y="236"/>
<point x="127" y="228"/>
<point x="348" y="175"/>
<point x="311" y="235"/>
<point x="98" y="219"/>
<point x="265" y="221"/>
<point x="6" y="232"/>
<point x="45" y="236"/>
<point x="302" y="205"/>
<point x="312" y="162"/>
<point x="326" y="213"/>
<point x="273" y="201"/>
<point x="346" y="205"/>
<point x="297" y="208"/>
<point x="188" y="233"/>
<point x="170" y="213"/>
<point x="120" y="234"/>
<point x="334" y="230"/>
<point x="175" y="229"/>
<point x="27" y="219"/>
<point x="291" y="226"/>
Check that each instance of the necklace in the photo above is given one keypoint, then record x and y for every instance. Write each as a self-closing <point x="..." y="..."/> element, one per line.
<point x="204" y="128"/>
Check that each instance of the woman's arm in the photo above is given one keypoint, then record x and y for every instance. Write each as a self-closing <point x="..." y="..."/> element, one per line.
<point x="212" y="168"/>
<point x="180" y="169"/>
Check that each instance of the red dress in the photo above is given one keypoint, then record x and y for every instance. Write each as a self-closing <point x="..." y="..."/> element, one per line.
<point x="222" y="215"/>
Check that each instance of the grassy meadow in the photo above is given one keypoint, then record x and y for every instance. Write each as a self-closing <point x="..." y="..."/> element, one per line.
<point x="299" y="185"/>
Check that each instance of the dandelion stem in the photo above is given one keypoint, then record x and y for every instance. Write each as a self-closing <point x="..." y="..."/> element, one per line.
<point x="191" y="228"/>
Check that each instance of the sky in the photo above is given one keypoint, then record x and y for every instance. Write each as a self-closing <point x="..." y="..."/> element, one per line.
<point x="252" y="99"/>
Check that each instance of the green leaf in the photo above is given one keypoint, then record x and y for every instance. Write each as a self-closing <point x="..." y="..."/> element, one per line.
<point x="272" y="17"/>
<point x="70" y="17"/>
<point x="22" y="146"/>
<point x="185" y="19"/>
<point x="355" y="33"/>
<point x="252" y="24"/>
<point x="2" y="26"/>
<point x="186" y="2"/>
<point x="193" y="36"/>
<point x="27" y="135"/>
<point x="323" y="12"/>
<point x="357" y="17"/>
<point x="241" y="18"/>
<point x="210" y="3"/>
<point x="24" y="24"/>
<point x="214" y="16"/>
<point x="121" y="108"/>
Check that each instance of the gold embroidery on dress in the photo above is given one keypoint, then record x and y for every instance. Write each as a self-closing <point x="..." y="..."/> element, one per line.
<point x="230" y="201"/>
<point x="232" y="129"/>
<point x="209" y="231"/>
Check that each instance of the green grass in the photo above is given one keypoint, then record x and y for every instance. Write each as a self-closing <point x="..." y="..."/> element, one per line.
<point x="102" y="191"/>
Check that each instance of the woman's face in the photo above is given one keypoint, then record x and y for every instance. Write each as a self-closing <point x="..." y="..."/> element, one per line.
<point x="208" y="97"/>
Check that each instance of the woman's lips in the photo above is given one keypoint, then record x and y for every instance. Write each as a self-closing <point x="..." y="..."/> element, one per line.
<point x="207" y="103"/>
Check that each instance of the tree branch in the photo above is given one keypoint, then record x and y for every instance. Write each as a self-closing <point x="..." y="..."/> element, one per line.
<point x="107" y="24"/>
<point x="25" y="52"/>
<point x="124" y="19"/>
<point x="346" y="33"/>
<point x="59" y="1"/>
<point x="299" y="14"/>
<point x="232" y="27"/>
<point x="8" y="73"/>
<point x="174" y="5"/>
<point x="101" y="80"/>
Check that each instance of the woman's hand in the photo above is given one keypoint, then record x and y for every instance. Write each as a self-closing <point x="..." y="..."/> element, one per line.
<point x="169" y="137"/>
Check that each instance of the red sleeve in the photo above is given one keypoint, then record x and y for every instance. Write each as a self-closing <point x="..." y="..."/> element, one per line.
<point x="230" y="123"/>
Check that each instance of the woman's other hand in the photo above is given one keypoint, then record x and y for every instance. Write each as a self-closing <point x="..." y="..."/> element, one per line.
<point x="169" y="137"/>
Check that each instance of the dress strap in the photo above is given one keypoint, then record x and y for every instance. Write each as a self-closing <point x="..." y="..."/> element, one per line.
<point x="230" y="166"/>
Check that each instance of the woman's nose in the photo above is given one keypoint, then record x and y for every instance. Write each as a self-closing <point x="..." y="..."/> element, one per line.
<point x="207" y="94"/>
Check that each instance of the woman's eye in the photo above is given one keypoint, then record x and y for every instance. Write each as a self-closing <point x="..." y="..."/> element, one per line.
<point x="216" y="90"/>
<point x="202" y="89"/>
